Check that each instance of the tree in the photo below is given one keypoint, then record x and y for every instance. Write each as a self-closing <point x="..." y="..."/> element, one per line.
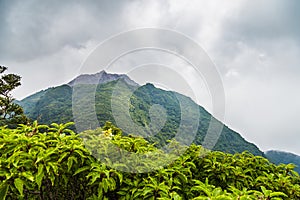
<point x="11" y="113"/>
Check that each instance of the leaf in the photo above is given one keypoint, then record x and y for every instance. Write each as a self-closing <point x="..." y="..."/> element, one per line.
<point x="216" y="192"/>
<point x="52" y="178"/>
<point x="276" y="194"/>
<point x="53" y="166"/>
<point x="100" y="191"/>
<point x="94" y="176"/>
<point x="42" y="156"/>
<point x="63" y="156"/>
<point x="19" y="185"/>
<point x="82" y="169"/>
<point x="70" y="162"/>
<point x="79" y="152"/>
<point x="120" y="175"/>
<point x="41" y="144"/>
<point x="122" y="192"/>
<point x="147" y="191"/>
<point x="40" y="175"/>
<point x="3" y="191"/>
<point x="175" y="196"/>
<point x="105" y="185"/>
<point x="28" y="175"/>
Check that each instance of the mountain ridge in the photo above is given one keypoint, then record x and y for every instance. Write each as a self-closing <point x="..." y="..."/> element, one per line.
<point x="100" y="78"/>
<point x="278" y="157"/>
<point x="55" y="105"/>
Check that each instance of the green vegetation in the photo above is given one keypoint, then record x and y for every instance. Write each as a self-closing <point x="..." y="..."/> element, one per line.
<point x="279" y="157"/>
<point x="11" y="113"/>
<point x="55" y="105"/>
<point x="41" y="162"/>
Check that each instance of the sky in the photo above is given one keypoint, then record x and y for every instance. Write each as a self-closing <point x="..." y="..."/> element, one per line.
<point x="254" y="44"/>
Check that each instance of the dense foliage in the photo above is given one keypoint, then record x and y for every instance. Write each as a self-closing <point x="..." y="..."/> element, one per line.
<point x="11" y="113"/>
<point x="41" y="162"/>
<point x="279" y="157"/>
<point x="55" y="105"/>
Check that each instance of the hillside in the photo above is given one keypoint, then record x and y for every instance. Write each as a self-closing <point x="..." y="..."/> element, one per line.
<point x="55" y="105"/>
<point x="279" y="157"/>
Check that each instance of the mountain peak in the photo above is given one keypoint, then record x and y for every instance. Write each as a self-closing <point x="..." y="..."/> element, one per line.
<point x="100" y="78"/>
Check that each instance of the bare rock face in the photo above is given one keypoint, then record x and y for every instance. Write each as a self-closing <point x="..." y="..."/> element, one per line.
<point x="100" y="78"/>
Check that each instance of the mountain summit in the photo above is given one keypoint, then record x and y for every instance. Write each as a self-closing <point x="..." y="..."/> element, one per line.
<point x="136" y="117"/>
<point x="100" y="78"/>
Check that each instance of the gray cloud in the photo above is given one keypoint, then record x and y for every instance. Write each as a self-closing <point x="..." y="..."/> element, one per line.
<point x="258" y="55"/>
<point x="268" y="27"/>
<point x="35" y="28"/>
<point x="261" y="21"/>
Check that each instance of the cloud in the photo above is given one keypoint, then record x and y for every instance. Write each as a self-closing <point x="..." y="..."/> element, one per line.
<point x="267" y="27"/>
<point x="34" y="29"/>
<point x="261" y="21"/>
<point x="258" y="53"/>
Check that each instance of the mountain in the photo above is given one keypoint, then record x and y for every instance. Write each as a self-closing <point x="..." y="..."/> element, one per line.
<point x="279" y="157"/>
<point x="30" y="101"/>
<point x="100" y="78"/>
<point x="123" y="102"/>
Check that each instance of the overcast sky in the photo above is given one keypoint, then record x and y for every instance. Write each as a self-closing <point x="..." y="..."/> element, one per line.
<point x="254" y="44"/>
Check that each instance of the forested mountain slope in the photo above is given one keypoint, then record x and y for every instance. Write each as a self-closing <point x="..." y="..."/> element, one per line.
<point x="279" y="157"/>
<point x="55" y="105"/>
